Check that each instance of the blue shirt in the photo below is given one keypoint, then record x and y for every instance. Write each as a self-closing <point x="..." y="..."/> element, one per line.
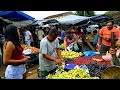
<point x="62" y="35"/>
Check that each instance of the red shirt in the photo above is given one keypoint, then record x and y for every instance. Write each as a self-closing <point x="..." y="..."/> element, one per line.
<point x="17" y="55"/>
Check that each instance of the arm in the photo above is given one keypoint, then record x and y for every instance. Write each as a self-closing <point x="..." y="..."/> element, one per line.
<point x="65" y="44"/>
<point x="7" y="56"/>
<point x="102" y="36"/>
<point x="44" y="52"/>
<point x="59" y="54"/>
<point x="31" y="36"/>
<point x="58" y="50"/>
<point x="49" y="57"/>
<point x="75" y="40"/>
<point x="117" y="34"/>
<point x="118" y="43"/>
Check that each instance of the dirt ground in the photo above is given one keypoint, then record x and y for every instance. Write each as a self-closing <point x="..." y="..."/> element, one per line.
<point x="32" y="70"/>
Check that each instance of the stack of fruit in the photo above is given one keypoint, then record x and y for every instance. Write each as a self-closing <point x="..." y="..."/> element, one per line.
<point x="62" y="46"/>
<point x="69" y="55"/>
<point x="33" y="49"/>
<point x="86" y="60"/>
<point x="76" y="73"/>
<point x="95" y="69"/>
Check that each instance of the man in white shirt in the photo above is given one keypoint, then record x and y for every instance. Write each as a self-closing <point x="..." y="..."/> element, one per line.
<point x="50" y="54"/>
<point x="28" y="37"/>
<point x="40" y="34"/>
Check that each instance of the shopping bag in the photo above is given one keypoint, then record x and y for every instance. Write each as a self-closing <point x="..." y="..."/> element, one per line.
<point x="89" y="53"/>
<point x="70" y="47"/>
<point x="75" y="46"/>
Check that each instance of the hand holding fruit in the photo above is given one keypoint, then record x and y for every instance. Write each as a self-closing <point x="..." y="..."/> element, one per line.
<point x="58" y="61"/>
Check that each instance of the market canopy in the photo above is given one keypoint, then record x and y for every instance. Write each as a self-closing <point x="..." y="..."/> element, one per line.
<point x="15" y="15"/>
<point x="72" y="19"/>
<point x="95" y="20"/>
<point x="100" y="18"/>
<point x="45" y="22"/>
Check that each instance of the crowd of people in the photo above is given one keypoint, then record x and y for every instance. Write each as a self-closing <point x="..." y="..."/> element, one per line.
<point x="50" y="53"/>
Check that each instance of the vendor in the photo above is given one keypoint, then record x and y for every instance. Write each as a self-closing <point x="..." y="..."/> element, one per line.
<point x="50" y="54"/>
<point x="105" y="35"/>
<point x="69" y="39"/>
<point x="113" y="51"/>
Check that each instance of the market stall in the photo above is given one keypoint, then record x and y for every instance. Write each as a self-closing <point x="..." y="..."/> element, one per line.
<point x="81" y="65"/>
<point x="33" y="52"/>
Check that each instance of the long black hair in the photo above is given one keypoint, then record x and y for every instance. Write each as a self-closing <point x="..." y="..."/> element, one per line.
<point x="11" y="34"/>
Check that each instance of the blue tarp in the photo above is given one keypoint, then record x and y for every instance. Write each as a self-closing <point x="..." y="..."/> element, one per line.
<point x="15" y="15"/>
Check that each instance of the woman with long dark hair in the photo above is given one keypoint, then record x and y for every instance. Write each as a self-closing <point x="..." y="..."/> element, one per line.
<point x="12" y="54"/>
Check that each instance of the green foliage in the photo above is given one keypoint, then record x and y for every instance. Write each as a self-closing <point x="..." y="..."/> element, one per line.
<point x="85" y="13"/>
<point x="111" y="13"/>
<point x="115" y="15"/>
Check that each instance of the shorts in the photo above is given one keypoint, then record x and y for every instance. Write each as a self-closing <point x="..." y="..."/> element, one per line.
<point x="15" y="72"/>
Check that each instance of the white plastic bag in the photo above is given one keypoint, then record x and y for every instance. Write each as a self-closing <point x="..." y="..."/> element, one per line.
<point x="28" y="51"/>
<point x="70" y="47"/>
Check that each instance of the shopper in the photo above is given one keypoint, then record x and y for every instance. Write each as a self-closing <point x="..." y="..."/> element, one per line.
<point x="28" y="36"/>
<point x="69" y="39"/>
<point x="40" y="34"/>
<point x="74" y="30"/>
<point x="105" y="35"/>
<point x="50" y="54"/>
<point x="12" y="54"/>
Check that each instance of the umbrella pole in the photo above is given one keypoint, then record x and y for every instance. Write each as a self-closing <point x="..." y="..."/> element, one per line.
<point x="115" y="60"/>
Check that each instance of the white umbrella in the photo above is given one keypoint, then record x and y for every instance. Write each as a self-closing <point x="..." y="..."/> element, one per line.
<point x="72" y="19"/>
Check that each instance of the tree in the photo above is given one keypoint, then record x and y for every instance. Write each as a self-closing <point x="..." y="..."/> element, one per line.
<point x="111" y="13"/>
<point x="85" y="13"/>
<point x="115" y="15"/>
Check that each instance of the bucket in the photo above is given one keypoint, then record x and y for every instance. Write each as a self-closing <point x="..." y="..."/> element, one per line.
<point x="112" y="72"/>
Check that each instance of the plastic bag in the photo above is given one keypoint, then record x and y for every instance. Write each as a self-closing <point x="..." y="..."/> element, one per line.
<point x="75" y="46"/>
<point x="70" y="47"/>
<point x="85" y="68"/>
<point x="28" y="51"/>
<point x="89" y="53"/>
